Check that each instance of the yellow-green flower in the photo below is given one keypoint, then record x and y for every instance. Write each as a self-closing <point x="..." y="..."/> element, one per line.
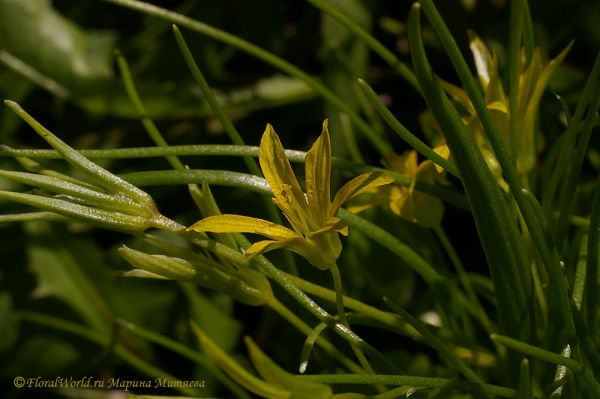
<point x="406" y="202"/>
<point x="533" y="80"/>
<point x="315" y="226"/>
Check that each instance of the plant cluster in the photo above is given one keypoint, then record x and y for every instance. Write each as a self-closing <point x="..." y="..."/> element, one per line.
<point x="404" y="313"/>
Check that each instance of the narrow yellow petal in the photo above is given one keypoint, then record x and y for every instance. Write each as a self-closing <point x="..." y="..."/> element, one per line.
<point x="497" y="105"/>
<point x="302" y="247"/>
<point x="367" y="204"/>
<point x="333" y="224"/>
<point x="359" y="185"/>
<point x="280" y="176"/>
<point x="484" y="62"/>
<point x="318" y="176"/>
<point x="242" y="224"/>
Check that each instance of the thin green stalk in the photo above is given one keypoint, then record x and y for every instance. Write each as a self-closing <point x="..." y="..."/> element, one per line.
<point x="524" y="380"/>
<point x="339" y="301"/>
<point x="435" y="342"/>
<point x="465" y="281"/>
<point x="103" y="340"/>
<point x="539" y="353"/>
<point x="382" y="146"/>
<point x="591" y="278"/>
<point x="305" y="328"/>
<point x="427" y="382"/>
<point x="517" y="8"/>
<point x="404" y="133"/>
<point x="370" y="41"/>
<point x="141" y="110"/>
<point x="193" y="355"/>
<point x="235" y="137"/>
<point x="572" y="131"/>
<point x="387" y="318"/>
<point x="560" y="374"/>
<point x="212" y="100"/>
<point x="570" y="183"/>
<point x="576" y="367"/>
<point x="445" y="194"/>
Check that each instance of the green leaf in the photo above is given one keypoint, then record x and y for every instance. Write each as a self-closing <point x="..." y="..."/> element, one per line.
<point x="64" y="267"/>
<point x="37" y="35"/>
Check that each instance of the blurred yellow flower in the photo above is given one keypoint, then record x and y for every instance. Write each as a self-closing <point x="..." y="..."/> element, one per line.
<point x="406" y="202"/>
<point x="312" y="217"/>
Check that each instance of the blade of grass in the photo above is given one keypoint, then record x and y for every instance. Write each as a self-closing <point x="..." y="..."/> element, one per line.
<point x="549" y="256"/>
<point x="404" y="133"/>
<point x="512" y="281"/>
<point x="434" y="342"/>
<point x="373" y="43"/>
<point x="572" y="131"/>
<point x="571" y="179"/>
<point x="591" y="273"/>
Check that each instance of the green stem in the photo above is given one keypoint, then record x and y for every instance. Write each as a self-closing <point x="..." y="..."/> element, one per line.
<point x="370" y="41"/>
<point x="141" y="110"/>
<point x="339" y="301"/>
<point x="449" y="196"/>
<point x="305" y="328"/>
<point x="382" y="146"/>
<point x="435" y="342"/>
<point x="410" y="138"/>
<point x="514" y="53"/>
<point x="464" y="280"/>
<point x="591" y="278"/>
<point x="572" y="131"/>
<point x="426" y="382"/>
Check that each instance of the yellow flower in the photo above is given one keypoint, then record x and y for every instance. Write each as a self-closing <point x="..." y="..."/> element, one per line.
<point x="533" y="80"/>
<point x="315" y="226"/>
<point x="406" y="202"/>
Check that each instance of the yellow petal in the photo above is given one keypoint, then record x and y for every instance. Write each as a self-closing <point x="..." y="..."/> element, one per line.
<point x="302" y="247"/>
<point x="497" y="105"/>
<point x="333" y="224"/>
<point x="280" y="176"/>
<point x="359" y="185"/>
<point x="484" y="62"/>
<point x="318" y="177"/>
<point x="443" y="151"/>
<point x="367" y="204"/>
<point x="242" y="224"/>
